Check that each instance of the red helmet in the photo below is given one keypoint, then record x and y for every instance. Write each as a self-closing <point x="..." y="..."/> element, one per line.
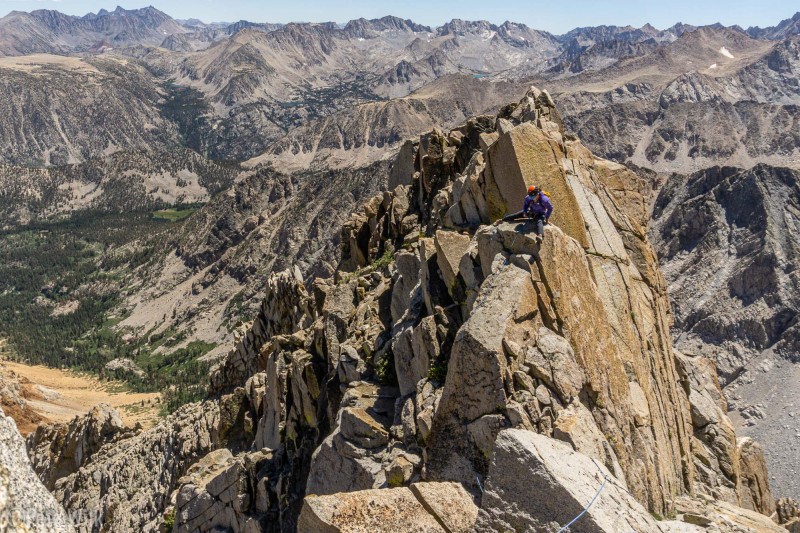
<point x="533" y="190"/>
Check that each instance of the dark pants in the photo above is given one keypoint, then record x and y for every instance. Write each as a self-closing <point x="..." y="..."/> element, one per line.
<point x="538" y="224"/>
<point x="537" y="221"/>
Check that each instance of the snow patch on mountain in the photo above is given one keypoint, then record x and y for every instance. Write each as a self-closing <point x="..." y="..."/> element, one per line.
<point x="724" y="51"/>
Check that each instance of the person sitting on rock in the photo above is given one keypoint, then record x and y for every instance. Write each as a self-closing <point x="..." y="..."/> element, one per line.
<point x="537" y="206"/>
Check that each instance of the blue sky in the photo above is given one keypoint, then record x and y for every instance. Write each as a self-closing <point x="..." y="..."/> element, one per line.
<point x="551" y="15"/>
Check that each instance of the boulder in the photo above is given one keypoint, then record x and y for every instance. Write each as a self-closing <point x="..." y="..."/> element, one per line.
<point x="340" y="466"/>
<point x="721" y="517"/>
<point x="450" y="249"/>
<point x="351" y="367"/>
<point x="536" y="483"/>
<point x="423" y="508"/>
<point x="426" y="402"/>
<point x="449" y="503"/>
<point x="406" y="289"/>
<point x="425" y="343"/>
<point x="354" y="456"/>
<point x="487" y="139"/>
<point x="410" y="364"/>
<point x="359" y="427"/>
<point x="755" y="493"/>
<point x="401" y="470"/>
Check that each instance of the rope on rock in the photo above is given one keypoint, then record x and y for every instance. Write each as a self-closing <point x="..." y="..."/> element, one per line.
<point x="586" y="509"/>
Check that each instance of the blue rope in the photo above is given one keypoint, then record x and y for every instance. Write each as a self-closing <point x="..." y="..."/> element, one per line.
<point x="605" y="480"/>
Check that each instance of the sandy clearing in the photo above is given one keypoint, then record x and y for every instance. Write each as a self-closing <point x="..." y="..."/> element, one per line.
<point x="78" y="393"/>
<point x="30" y="63"/>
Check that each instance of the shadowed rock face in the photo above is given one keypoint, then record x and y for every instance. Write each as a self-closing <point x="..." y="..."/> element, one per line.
<point x="438" y="332"/>
<point x="728" y="242"/>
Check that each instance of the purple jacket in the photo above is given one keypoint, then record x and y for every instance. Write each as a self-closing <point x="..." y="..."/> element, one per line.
<point x="542" y="207"/>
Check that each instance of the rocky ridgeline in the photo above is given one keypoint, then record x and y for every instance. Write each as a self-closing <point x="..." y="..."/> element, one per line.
<point x="57" y="450"/>
<point x="455" y="374"/>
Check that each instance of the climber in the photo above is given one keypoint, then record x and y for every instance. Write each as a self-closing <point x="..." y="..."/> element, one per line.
<point x="536" y="207"/>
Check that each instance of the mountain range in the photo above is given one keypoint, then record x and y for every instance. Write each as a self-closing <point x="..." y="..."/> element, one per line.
<point x="248" y="86"/>
<point x="267" y="137"/>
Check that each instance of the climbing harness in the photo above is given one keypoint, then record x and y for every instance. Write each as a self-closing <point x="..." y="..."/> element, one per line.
<point x="586" y="509"/>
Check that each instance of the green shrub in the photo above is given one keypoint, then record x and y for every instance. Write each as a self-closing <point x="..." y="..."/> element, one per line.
<point x="438" y="371"/>
<point x="169" y="521"/>
<point x="384" y="369"/>
<point x="383" y="261"/>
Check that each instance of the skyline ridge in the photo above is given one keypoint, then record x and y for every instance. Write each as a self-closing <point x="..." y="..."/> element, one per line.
<point x="497" y="17"/>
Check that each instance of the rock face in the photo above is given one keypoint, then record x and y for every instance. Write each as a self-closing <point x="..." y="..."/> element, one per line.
<point x="441" y="336"/>
<point x="715" y="451"/>
<point x="735" y="292"/>
<point x="568" y="287"/>
<point x="213" y="492"/>
<point x="25" y="504"/>
<point x="729" y="470"/>
<point x="756" y="494"/>
<point x="727" y="239"/>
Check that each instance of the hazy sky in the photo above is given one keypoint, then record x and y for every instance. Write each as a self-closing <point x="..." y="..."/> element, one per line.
<point x="552" y="15"/>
